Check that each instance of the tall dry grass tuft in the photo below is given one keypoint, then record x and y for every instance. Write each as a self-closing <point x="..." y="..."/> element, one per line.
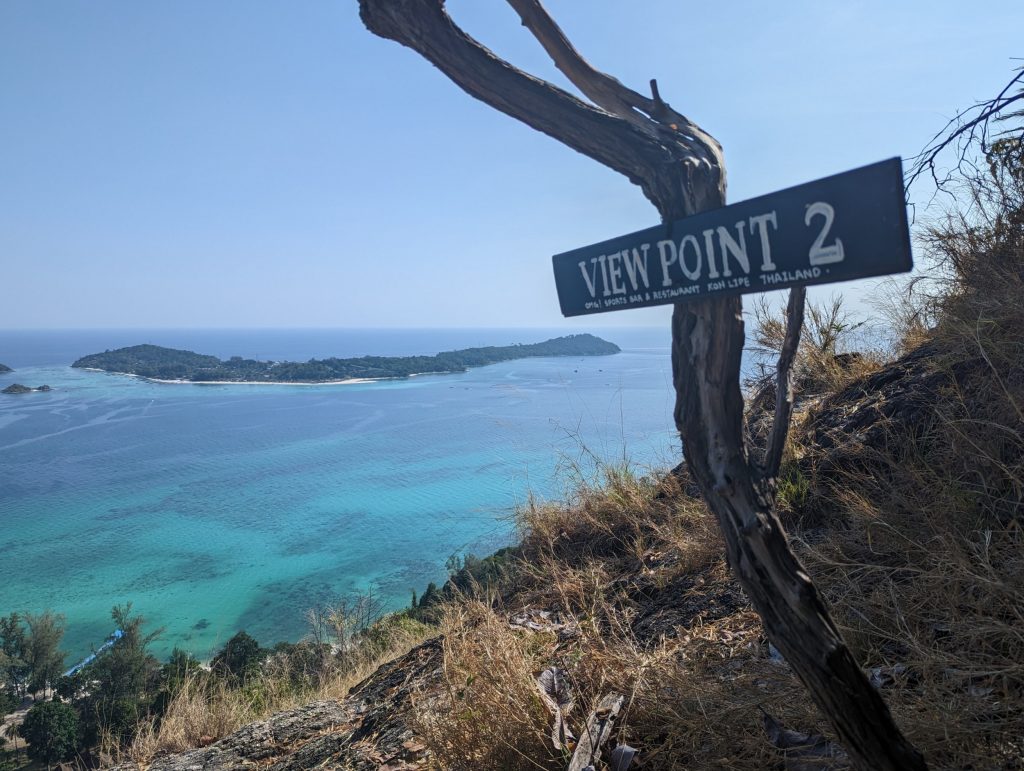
<point x="206" y="708"/>
<point x="834" y="349"/>
<point x="926" y="569"/>
<point x="622" y="522"/>
<point x="605" y="534"/>
<point x="489" y="714"/>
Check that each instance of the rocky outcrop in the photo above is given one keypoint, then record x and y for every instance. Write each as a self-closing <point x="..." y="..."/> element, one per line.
<point x="18" y="388"/>
<point x="898" y="399"/>
<point x="369" y="729"/>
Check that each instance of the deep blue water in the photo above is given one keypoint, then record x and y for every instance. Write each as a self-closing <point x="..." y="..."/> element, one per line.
<point x="216" y="508"/>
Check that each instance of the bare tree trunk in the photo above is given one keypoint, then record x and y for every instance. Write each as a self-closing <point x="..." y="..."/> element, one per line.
<point x="706" y="348"/>
<point x="680" y="169"/>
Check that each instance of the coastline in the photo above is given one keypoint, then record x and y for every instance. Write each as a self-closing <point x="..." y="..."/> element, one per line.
<point x="348" y="381"/>
<point x="209" y="370"/>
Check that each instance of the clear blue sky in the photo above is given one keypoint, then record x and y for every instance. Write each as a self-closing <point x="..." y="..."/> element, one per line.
<point x="253" y="163"/>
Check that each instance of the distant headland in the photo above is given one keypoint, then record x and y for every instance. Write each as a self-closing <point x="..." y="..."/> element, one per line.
<point x="171" y="365"/>
<point x="5" y="368"/>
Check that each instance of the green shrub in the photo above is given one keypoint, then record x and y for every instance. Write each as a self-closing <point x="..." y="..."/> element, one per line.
<point x="239" y="659"/>
<point x="51" y="730"/>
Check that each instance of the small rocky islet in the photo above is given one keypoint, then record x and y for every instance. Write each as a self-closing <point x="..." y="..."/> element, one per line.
<point x="18" y="388"/>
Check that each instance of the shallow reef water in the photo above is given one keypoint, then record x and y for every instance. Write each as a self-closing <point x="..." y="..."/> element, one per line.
<point x="216" y="508"/>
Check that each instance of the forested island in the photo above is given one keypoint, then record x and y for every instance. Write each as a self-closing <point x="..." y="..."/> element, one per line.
<point x="159" y="363"/>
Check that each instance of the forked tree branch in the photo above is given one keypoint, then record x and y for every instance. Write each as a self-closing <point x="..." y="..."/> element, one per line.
<point x="649" y="114"/>
<point x="784" y="384"/>
<point x="608" y="92"/>
<point x="673" y="168"/>
<point x="602" y="89"/>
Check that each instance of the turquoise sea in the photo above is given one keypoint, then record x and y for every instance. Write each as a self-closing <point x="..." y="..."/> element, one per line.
<point x="219" y="508"/>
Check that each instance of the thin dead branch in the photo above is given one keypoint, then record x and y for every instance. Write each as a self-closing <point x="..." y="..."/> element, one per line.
<point x="784" y="387"/>
<point x="596" y="732"/>
<point x="965" y="131"/>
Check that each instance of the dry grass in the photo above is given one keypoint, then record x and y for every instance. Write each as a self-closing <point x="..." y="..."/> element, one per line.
<point x="597" y="564"/>
<point x="205" y="708"/>
<point x="490" y="714"/>
<point x="621" y="523"/>
<point x="913" y="531"/>
<point x="924" y="561"/>
<point x="923" y="555"/>
<point x="918" y="580"/>
<point x="692" y="702"/>
<point x="927" y="575"/>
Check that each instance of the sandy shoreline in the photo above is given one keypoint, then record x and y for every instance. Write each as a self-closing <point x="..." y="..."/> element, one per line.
<point x="349" y="381"/>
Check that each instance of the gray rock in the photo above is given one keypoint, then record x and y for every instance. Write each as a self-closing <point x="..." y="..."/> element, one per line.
<point x="368" y="729"/>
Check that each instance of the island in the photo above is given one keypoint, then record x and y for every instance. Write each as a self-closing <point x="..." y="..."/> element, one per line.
<point x="5" y="368"/>
<point x="18" y="388"/>
<point x="154" y="362"/>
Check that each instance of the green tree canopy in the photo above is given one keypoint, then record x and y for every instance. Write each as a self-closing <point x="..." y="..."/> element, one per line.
<point x="8" y="702"/>
<point x="122" y="679"/>
<point x="13" y="668"/>
<point x="42" y="651"/>
<point x="178" y="668"/>
<point x="51" y="730"/>
<point x="240" y="658"/>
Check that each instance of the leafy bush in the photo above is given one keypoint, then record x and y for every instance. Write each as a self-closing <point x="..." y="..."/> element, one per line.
<point x="239" y="659"/>
<point x="51" y="730"/>
<point x="8" y="702"/>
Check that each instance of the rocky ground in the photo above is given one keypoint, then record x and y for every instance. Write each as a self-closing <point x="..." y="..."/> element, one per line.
<point x="367" y="730"/>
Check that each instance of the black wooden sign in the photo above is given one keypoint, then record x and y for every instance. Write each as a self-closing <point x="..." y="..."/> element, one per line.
<point x="851" y="225"/>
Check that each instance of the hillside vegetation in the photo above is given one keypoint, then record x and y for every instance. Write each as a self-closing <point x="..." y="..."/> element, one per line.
<point x="901" y="489"/>
<point x="153" y="361"/>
